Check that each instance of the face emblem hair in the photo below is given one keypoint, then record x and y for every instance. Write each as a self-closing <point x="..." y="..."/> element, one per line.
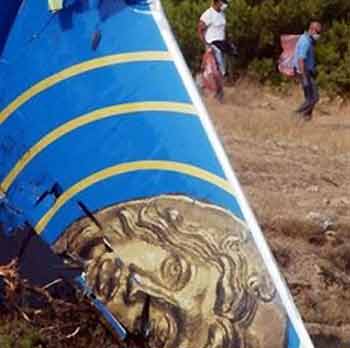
<point x="194" y="261"/>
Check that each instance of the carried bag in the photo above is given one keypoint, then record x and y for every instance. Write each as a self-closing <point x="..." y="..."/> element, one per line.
<point x="285" y="62"/>
<point x="212" y="79"/>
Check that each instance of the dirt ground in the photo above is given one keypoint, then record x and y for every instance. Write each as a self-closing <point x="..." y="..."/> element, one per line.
<point x="296" y="175"/>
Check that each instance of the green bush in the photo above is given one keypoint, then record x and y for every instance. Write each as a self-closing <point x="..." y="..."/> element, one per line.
<point x="262" y="69"/>
<point x="256" y="25"/>
<point x="334" y="58"/>
<point x="19" y="334"/>
<point x="183" y="16"/>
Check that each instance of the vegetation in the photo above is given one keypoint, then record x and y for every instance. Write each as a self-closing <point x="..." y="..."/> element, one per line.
<point x="256" y="25"/>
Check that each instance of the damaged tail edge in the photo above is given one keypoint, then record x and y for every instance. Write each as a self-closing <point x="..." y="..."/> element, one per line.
<point x="8" y="14"/>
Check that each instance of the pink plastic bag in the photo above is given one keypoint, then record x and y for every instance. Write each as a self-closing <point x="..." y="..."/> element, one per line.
<point x="285" y="63"/>
<point x="212" y="79"/>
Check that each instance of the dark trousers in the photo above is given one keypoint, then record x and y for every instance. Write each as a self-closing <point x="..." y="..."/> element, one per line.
<point x="311" y="95"/>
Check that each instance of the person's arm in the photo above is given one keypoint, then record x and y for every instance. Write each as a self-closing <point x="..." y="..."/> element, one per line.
<point x="202" y="28"/>
<point x="204" y="23"/>
<point x="303" y="72"/>
<point x="301" y="65"/>
<point x="302" y="54"/>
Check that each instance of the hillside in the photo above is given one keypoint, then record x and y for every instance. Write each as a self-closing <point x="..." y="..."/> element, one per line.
<point x="296" y="177"/>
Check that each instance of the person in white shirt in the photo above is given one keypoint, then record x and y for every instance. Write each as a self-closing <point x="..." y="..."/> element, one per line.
<point x="212" y="30"/>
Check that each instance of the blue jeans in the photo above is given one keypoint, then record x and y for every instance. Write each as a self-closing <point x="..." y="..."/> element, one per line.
<point x="310" y="93"/>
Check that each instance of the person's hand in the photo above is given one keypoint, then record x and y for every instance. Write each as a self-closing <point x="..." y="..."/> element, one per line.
<point x="305" y="80"/>
<point x="313" y="73"/>
<point x="208" y="48"/>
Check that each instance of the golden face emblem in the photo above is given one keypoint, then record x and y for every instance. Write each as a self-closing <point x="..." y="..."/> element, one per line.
<point x="194" y="263"/>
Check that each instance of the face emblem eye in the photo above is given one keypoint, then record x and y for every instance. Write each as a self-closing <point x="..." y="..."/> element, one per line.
<point x="175" y="273"/>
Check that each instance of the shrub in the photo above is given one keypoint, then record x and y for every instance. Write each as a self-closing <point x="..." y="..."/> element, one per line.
<point x="256" y="25"/>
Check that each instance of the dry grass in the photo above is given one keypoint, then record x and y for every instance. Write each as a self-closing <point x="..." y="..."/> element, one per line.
<point x="10" y="277"/>
<point x="259" y="114"/>
<point x="295" y="175"/>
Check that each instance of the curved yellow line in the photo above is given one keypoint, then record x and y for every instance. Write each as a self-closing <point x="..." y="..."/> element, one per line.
<point x="86" y="119"/>
<point x="126" y="168"/>
<point x="79" y="69"/>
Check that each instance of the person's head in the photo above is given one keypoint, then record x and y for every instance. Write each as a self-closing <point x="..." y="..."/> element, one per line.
<point x="220" y="5"/>
<point x="196" y="263"/>
<point x="315" y="29"/>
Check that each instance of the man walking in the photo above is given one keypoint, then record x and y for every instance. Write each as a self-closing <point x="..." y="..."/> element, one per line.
<point x="212" y="29"/>
<point x="305" y="66"/>
<point x="212" y="32"/>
